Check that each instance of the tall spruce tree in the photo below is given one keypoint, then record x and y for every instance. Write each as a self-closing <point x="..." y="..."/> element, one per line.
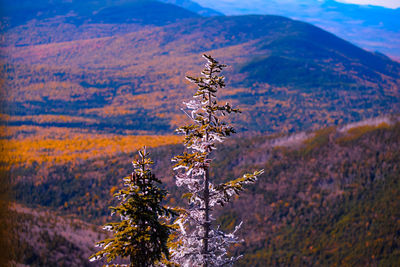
<point x="200" y="241"/>
<point x="143" y="232"/>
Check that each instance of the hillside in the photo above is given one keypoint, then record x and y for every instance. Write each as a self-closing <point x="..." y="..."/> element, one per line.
<point x="25" y="23"/>
<point x="147" y="12"/>
<point x="371" y="27"/>
<point x="322" y="193"/>
<point x="285" y="74"/>
<point x="45" y="238"/>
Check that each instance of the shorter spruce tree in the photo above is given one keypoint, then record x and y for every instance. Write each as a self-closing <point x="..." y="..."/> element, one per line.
<point x="143" y="232"/>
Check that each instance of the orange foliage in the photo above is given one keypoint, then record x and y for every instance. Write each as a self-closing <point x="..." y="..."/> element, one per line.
<point x="72" y="146"/>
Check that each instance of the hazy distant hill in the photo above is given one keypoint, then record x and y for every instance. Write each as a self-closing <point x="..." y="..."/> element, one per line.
<point x="193" y="6"/>
<point x="285" y="74"/>
<point x="371" y="27"/>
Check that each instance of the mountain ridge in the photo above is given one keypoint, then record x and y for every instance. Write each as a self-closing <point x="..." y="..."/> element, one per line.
<point x="195" y="7"/>
<point x="19" y="12"/>
<point x="371" y="27"/>
<point x="279" y="63"/>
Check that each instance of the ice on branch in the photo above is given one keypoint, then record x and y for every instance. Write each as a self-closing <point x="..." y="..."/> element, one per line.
<point x="200" y="241"/>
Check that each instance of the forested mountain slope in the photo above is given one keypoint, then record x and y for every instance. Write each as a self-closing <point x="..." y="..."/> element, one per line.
<point x="327" y="197"/>
<point x="147" y="12"/>
<point x="285" y="74"/>
<point x="365" y="23"/>
<point x="46" y="238"/>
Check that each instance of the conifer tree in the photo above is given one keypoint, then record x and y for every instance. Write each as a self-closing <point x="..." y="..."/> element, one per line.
<point x="142" y="233"/>
<point x="200" y="241"/>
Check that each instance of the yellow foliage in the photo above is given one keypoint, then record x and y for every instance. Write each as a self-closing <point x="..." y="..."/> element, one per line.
<point x="70" y="148"/>
<point x="357" y="132"/>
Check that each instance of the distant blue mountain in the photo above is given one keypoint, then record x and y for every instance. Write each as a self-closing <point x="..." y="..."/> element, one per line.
<point x="371" y="27"/>
<point x="194" y="7"/>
